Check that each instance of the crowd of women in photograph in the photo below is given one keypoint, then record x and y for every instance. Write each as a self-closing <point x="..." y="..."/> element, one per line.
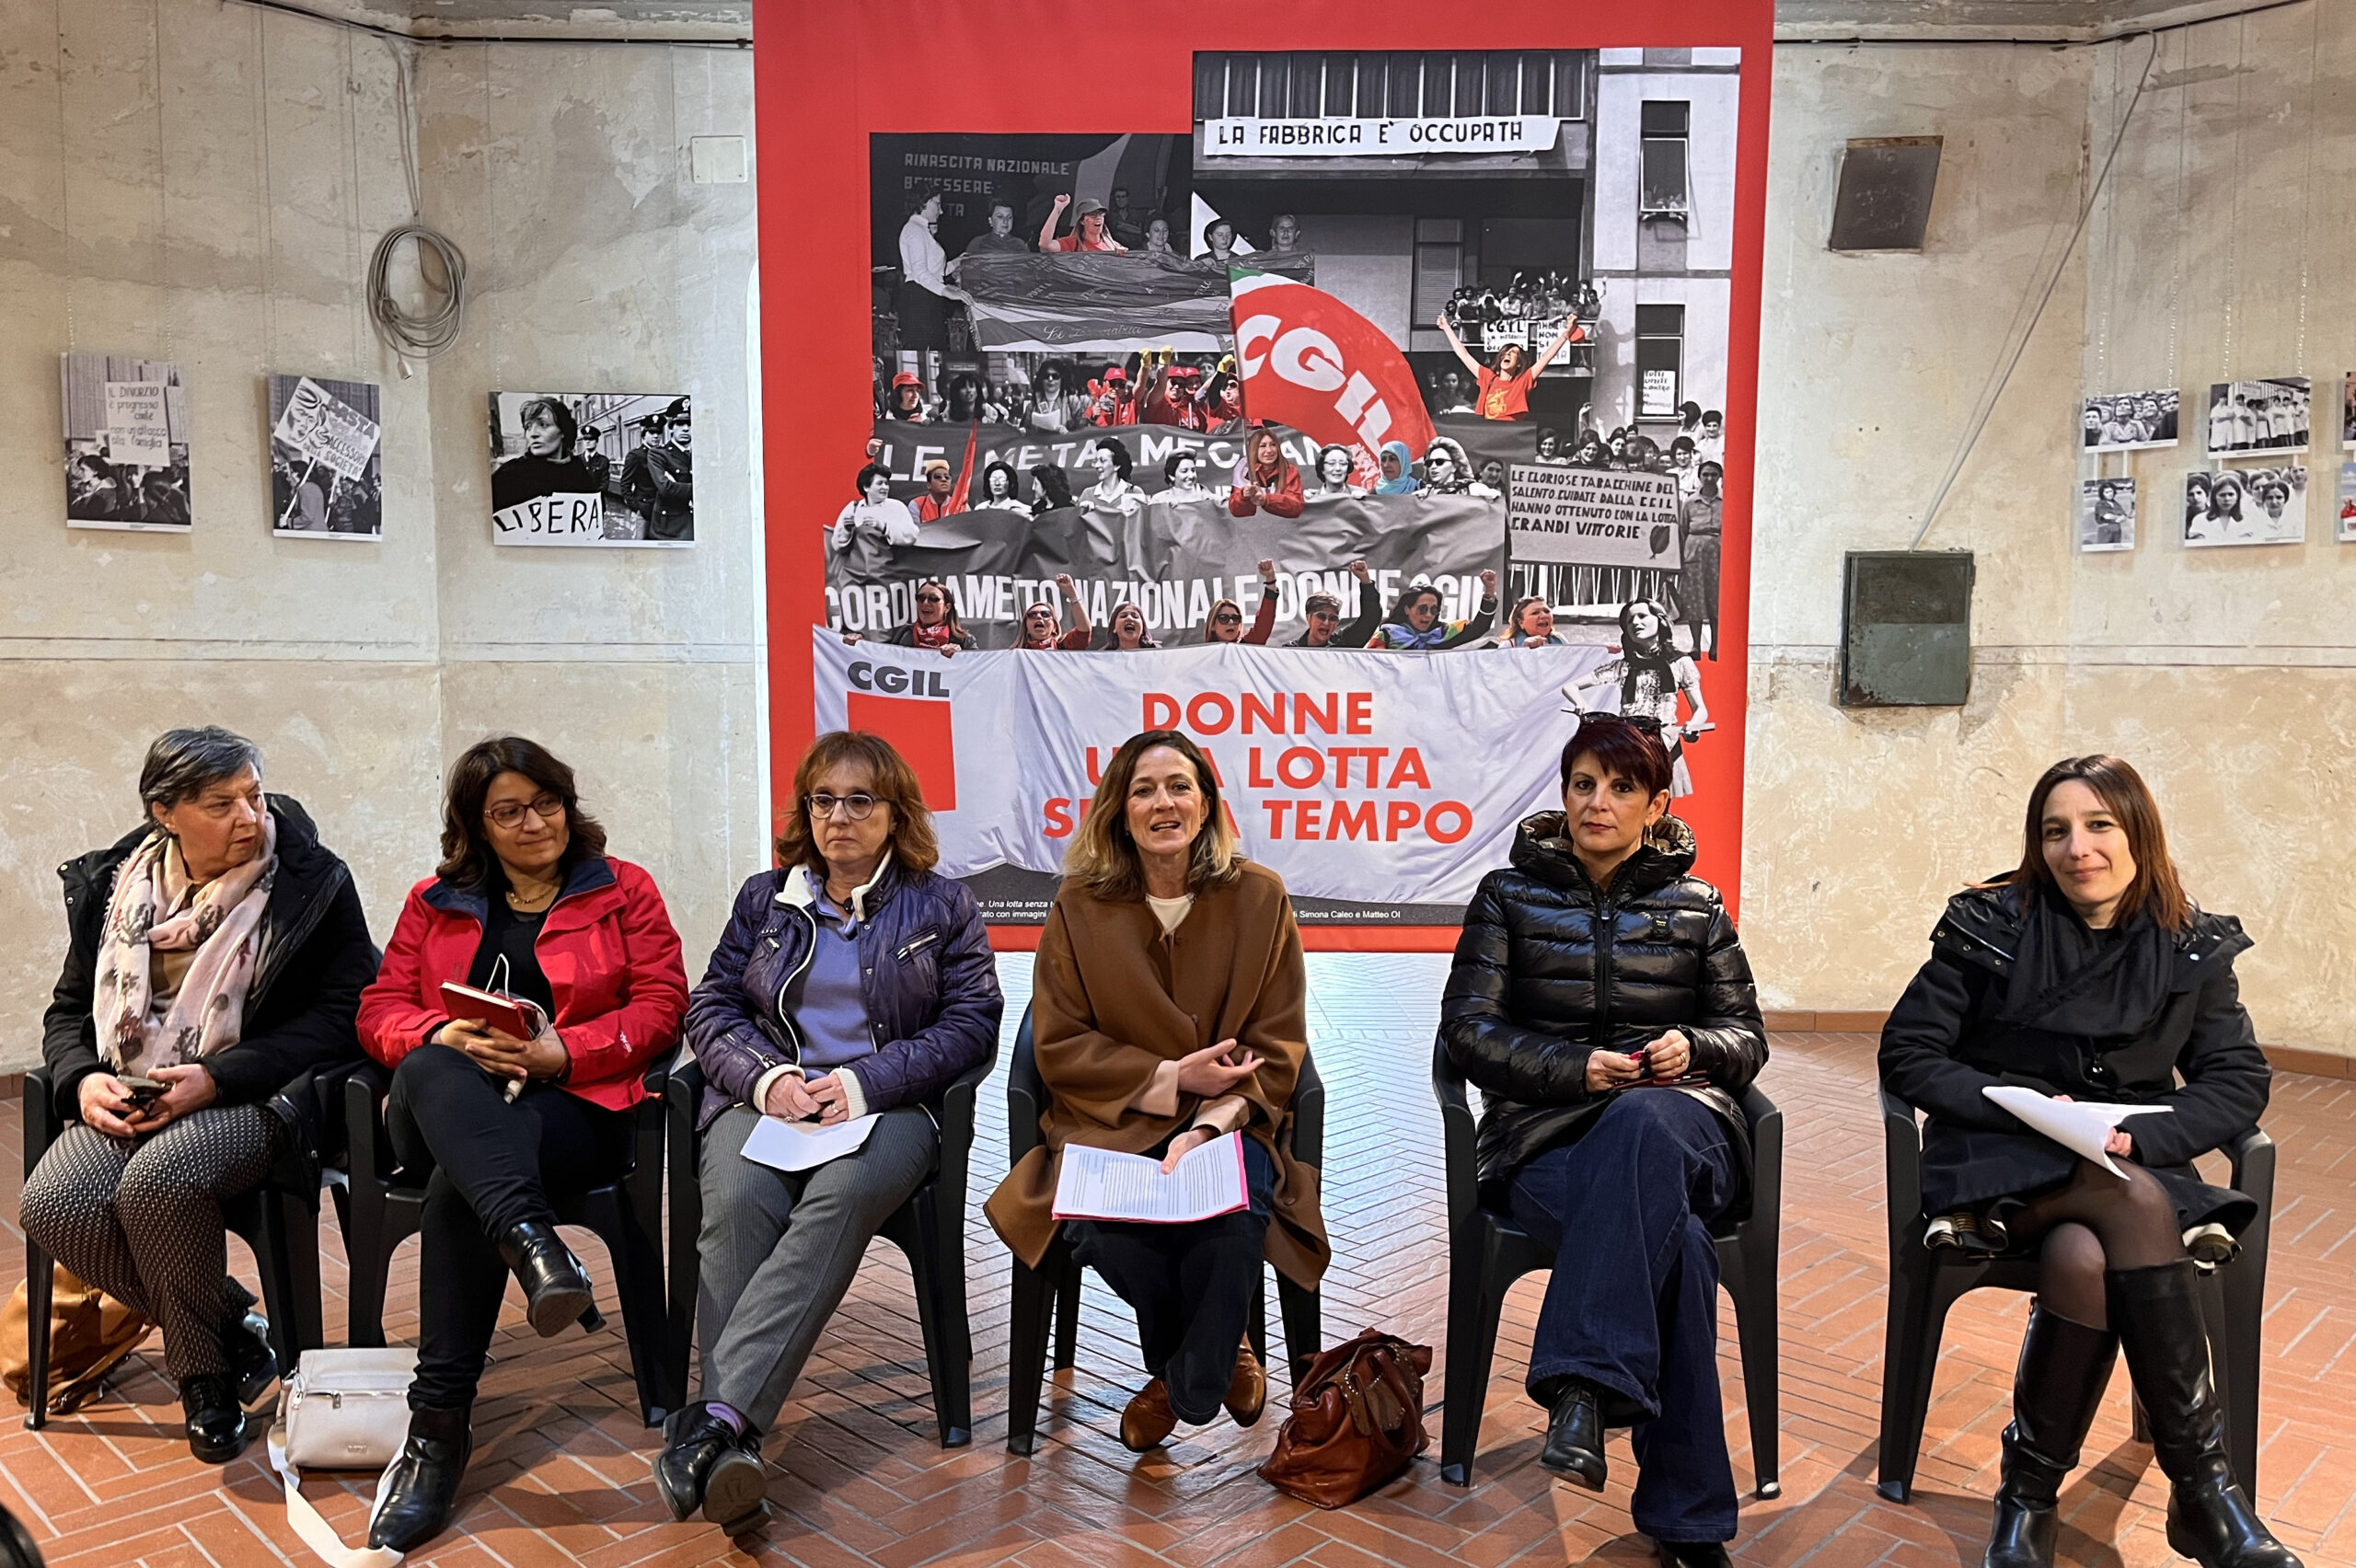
<point x="218" y="953"/>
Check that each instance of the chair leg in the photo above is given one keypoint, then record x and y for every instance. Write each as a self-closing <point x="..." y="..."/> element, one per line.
<point x="1026" y="1346"/>
<point x="1304" y="1328"/>
<point x="1066" y="1315"/>
<point x="1757" y="1328"/>
<point x="1476" y="1298"/>
<point x="1255" y="1324"/>
<point x="287" y="1246"/>
<point x="38" y="1280"/>
<point x="1918" y="1311"/>
<point x="368" y="1244"/>
<point x="947" y="1371"/>
<point x="637" y="1280"/>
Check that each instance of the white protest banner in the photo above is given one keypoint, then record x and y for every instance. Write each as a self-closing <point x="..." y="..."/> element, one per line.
<point x="1592" y="517"/>
<point x="137" y="429"/>
<point x="559" y="519"/>
<point x="1374" y="778"/>
<point x="1247" y="136"/>
<point x="319" y="427"/>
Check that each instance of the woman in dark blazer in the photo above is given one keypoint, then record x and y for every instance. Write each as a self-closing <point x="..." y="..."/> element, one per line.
<point x="851" y="982"/>
<point x="1602" y="1002"/>
<point x="2088" y="973"/>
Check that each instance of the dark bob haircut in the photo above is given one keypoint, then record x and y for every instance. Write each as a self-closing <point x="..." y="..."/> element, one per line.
<point x="468" y="860"/>
<point x="558" y="415"/>
<point x="1622" y="746"/>
<point x="869" y="475"/>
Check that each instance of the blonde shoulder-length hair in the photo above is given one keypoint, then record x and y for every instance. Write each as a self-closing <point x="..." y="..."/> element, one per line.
<point x="1103" y="859"/>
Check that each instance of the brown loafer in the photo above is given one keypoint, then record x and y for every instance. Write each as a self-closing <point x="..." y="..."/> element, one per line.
<point x="1149" y="1420"/>
<point x="1247" y="1391"/>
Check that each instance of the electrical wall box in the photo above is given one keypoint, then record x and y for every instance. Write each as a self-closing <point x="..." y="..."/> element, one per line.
<point x="1905" y="628"/>
<point x="1885" y="197"/>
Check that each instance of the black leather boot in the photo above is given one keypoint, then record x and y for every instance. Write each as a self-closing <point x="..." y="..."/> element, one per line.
<point x="2063" y="1369"/>
<point x="1693" y="1553"/>
<point x="423" y="1489"/>
<point x="1574" y="1447"/>
<point x="2156" y="1314"/>
<point x="253" y="1365"/>
<point x="216" y="1421"/>
<point x="706" y="1463"/>
<point x="554" y="1289"/>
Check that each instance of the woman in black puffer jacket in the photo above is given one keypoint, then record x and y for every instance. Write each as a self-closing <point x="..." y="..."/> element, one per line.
<point x="1604" y="1006"/>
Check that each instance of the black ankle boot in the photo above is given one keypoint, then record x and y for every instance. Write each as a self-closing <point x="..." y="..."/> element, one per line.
<point x="2156" y="1314"/>
<point x="421" y="1489"/>
<point x="1693" y="1553"/>
<point x="2064" y="1367"/>
<point x="216" y="1421"/>
<point x="1574" y="1447"/>
<point x="253" y="1365"/>
<point x="554" y="1289"/>
<point x="706" y="1463"/>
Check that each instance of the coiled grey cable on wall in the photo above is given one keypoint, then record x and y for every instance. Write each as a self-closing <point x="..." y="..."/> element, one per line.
<point x="419" y="334"/>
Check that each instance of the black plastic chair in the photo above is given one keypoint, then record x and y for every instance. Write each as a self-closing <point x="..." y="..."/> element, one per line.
<point x="1487" y="1252"/>
<point x="1923" y="1283"/>
<point x="930" y="1228"/>
<point x="626" y="1214"/>
<point x="1049" y="1295"/>
<point x="279" y="1219"/>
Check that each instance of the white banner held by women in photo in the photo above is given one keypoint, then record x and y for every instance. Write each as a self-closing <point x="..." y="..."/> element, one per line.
<point x="1364" y="776"/>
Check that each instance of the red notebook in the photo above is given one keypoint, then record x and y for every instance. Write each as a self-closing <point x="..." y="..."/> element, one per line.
<point x="502" y="1013"/>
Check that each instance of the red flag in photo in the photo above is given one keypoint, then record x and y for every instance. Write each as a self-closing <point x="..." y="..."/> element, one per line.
<point x="1311" y="362"/>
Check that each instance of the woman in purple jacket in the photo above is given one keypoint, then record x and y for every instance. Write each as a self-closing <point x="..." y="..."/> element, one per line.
<point x="852" y="982"/>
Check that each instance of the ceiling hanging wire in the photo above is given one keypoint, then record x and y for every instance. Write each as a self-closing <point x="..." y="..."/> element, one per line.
<point x="424" y="332"/>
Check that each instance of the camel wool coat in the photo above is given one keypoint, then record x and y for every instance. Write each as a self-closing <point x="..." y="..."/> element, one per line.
<point x="1114" y="998"/>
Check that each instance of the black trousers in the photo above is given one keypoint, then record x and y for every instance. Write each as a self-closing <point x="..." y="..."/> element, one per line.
<point x="492" y="1164"/>
<point x="1190" y="1286"/>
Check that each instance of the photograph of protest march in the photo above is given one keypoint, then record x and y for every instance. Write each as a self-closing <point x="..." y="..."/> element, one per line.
<point x="2130" y="422"/>
<point x="1058" y="388"/>
<point x="2245" y="506"/>
<point x="126" y="442"/>
<point x="2259" y="416"/>
<point x="2348" y="503"/>
<point x="2106" y="514"/>
<point x="593" y="468"/>
<point x="327" y="478"/>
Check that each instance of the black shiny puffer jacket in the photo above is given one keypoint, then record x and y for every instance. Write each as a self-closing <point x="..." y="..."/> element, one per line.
<point x="1549" y="970"/>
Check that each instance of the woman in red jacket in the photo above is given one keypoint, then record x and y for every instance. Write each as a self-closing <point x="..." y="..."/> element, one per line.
<point x="1265" y="478"/>
<point x="526" y="903"/>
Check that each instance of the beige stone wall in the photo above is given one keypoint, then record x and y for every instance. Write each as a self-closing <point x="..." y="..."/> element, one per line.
<point x="219" y="209"/>
<point x="2220" y="248"/>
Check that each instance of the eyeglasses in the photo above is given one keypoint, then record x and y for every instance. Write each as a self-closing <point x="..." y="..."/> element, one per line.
<point x="930" y="599"/>
<point x="507" y="814"/>
<point x="1229" y="619"/>
<point x="822" y="805"/>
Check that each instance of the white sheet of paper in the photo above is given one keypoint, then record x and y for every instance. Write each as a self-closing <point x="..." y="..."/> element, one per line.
<point x="805" y="1146"/>
<point x="1096" y="1183"/>
<point x="2080" y="1126"/>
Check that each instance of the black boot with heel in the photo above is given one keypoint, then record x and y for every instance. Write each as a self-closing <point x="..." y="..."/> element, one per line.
<point x="421" y="1489"/>
<point x="556" y="1291"/>
<point x="2064" y="1367"/>
<point x="2156" y="1314"/>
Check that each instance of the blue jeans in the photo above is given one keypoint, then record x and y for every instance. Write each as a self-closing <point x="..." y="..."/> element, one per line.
<point x="1190" y="1286"/>
<point x="1633" y="1304"/>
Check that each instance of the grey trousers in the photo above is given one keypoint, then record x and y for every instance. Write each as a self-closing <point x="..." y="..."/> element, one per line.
<point x="141" y="1219"/>
<point x="779" y="1250"/>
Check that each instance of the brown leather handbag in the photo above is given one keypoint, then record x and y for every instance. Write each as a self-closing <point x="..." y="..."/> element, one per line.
<point x="89" y="1334"/>
<point x="1356" y="1421"/>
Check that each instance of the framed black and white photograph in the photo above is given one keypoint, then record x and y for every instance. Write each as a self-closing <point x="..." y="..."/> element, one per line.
<point x="2348" y="503"/>
<point x="2245" y="506"/>
<point x="2347" y="410"/>
<point x="2259" y="416"/>
<point x="2130" y="422"/>
<point x="593" y="468"/>
<point x="2106" y="514"/>
<point x="126" y="444"/>
<point x="326" y="475"/>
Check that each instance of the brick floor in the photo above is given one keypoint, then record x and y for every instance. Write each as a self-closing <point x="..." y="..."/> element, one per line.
<point x="561" y="1472"/>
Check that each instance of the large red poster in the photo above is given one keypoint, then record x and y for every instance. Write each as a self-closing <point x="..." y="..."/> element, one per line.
<point x="997" y="272"/>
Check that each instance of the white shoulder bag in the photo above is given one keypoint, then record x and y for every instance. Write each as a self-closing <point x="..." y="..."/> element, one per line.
<point x="343" y="1410"/>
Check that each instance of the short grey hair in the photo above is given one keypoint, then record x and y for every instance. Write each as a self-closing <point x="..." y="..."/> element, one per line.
<point x="183" y="763"/>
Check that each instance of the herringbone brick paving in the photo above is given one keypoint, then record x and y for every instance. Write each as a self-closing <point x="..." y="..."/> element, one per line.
<point x="561" y="1470"/>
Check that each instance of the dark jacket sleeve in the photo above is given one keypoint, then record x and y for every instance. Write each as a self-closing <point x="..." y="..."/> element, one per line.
<point x="922" y="1067"/>
<point x="69" y="1035"/>
<point x="721" y="1030"/>
<point x="1918" y="1050"/>
<point x="1360" y="633"/>
<point x="1729" y="1039"/>
<point x="1492" y="1052"/>
<point x="2226" y="1082"/>
<point x="1476" y="629"/>
<point x="330" y="969"/>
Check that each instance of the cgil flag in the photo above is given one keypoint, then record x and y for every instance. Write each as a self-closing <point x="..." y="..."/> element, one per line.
<point x="1311" y="362"/>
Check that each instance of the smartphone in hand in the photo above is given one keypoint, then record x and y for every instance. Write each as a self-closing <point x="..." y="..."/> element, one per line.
<point x="143" y="1092"/>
